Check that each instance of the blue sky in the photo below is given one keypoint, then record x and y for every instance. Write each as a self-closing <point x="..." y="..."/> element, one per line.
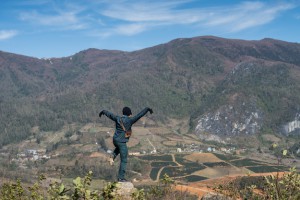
<point x="59" y="28"/>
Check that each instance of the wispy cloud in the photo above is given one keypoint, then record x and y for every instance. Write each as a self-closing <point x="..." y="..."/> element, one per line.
<point x="131" y="17"/>
<point x="144" y="12"/>
<point x="66" y="17"/>
<point x="246" y="15"/>
<point x="131" y="29"/>
<point x="232" y="18"/>
<point x="7" y="34"/>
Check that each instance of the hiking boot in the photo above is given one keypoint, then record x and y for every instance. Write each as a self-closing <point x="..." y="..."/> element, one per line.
<point x="122" y="180"/>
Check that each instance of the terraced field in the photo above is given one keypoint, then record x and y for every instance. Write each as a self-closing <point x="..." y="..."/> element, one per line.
<point x="196" y="167"/>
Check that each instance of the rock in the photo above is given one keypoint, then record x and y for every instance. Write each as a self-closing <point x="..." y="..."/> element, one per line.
<point x="125" y="189"/>
<point x="215" y="196"/>
<point x="241" y="117"/>
<point x="292" y="126"/>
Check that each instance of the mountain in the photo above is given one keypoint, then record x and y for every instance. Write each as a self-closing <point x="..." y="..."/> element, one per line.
<point x="225" y="87"/>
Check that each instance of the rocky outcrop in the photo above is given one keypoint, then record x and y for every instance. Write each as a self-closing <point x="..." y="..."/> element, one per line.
<point x="124" y="190"/>
<point x="292" y="126"/>
<point x="239" y="118"/>
<point x="214" y="196"/>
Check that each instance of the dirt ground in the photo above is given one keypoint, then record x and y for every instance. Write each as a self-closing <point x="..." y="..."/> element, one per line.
<point x="202" y="157"/>
<point x="203" y="187"/>
<point x="220" y="172"/>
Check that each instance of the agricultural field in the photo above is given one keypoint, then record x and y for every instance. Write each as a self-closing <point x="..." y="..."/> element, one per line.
<point x="202" y="157"/>
<point x="216" y="164"/>
<point x="162" y="164"/>
<point x="212" y="173"/>
<point x="76" y="149"/>
<point x="194" y="167"/>
<point x="180" y="171"/>
<point x="162" y="158"/>
<point x="154" y="172"/>
<point x="266" y="168"/>
<point x="192" y="178"/>
<point x="246" y="163"/>
<point x="226" y="157"/>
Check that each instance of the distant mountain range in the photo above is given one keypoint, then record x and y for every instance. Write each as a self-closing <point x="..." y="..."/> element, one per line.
<point x="226" y="87"/>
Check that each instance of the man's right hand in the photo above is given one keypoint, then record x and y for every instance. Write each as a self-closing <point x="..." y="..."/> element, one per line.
<point x="101" y="113"/>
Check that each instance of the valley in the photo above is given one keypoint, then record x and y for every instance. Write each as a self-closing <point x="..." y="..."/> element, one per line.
<point x="223" y="108"/>
<point x="154" y="150"/>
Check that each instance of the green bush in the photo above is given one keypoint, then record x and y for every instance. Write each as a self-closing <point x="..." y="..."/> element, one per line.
<point x="165" y="190"/>
<point x="54" y="191"/>
<point x="81" y="190"/>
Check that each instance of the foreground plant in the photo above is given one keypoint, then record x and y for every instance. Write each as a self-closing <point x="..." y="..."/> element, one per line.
<point x="81" y="190"/>
<point x="275" y="187"/>
<point x="287" y="187"/>
<point x="55" y="191"/>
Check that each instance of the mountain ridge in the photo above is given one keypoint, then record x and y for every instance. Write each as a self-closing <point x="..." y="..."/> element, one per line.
<point x="185" y="77"/>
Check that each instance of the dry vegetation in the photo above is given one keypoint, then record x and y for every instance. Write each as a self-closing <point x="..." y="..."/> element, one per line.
<point x="202" y="157"/>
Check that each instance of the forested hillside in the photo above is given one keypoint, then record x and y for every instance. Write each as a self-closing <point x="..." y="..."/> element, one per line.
<point x="185" y="78"/>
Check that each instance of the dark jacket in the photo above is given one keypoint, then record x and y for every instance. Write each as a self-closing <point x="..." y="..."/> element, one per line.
<point x="119" y="134"/>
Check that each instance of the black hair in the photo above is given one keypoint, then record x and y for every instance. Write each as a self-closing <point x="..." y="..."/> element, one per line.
<point x="127" y="111"/>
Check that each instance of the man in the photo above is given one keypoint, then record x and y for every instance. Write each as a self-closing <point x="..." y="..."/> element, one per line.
<point x="122" y="135"/>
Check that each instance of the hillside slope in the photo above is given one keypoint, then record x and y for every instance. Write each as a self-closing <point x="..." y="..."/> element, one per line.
<point x="226" y="87"/>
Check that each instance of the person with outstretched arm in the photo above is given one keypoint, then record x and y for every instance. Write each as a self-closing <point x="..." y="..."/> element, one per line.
<point x="122" y="135"/>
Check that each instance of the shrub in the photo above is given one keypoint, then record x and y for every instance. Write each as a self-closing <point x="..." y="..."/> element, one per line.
<point x="165" y="189"/>
<point x="271" y="187"/>
<point x="81" y="191"/>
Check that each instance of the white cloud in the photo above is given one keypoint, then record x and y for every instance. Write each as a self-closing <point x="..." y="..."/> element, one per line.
<point x="131" y="29"/>
<point x="48" y="20"/>
<point x="64" y="16"/>
<point x="6" y="34"/>
<point x="130" y="17"/>
<point x="124" y="29"/>
<point x="233" y="19"/>
<point x="246" y="15"/>
<point x="165" y="12"/>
